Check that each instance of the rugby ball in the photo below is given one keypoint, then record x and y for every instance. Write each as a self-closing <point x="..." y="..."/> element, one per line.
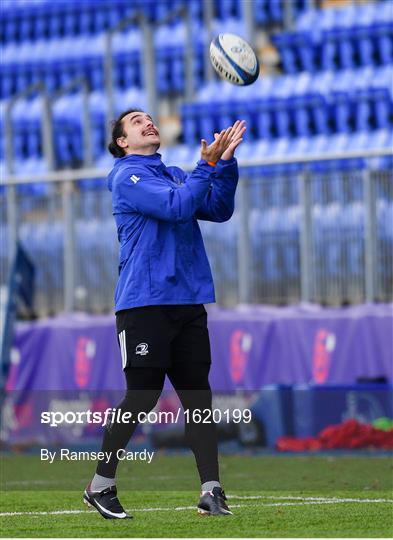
<point x="234" y="59"/>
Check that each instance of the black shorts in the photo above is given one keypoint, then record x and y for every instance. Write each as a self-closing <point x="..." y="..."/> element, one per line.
<point x="162" y="336"/>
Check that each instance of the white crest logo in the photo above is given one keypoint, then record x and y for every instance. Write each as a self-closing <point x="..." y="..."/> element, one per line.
<point x="134" y="178"/>
<point x="142" y="349"/>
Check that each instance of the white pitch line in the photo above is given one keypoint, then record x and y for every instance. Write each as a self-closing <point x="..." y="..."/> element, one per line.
<point x="57" y="512"/>
<point x="306" y="503"/>
<point x="301" y="501"/>
<point x="297" y="498"/>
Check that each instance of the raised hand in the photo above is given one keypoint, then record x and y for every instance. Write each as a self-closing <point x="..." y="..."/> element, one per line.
<point x="215" y="150"/>
<point x="238" y="129"/>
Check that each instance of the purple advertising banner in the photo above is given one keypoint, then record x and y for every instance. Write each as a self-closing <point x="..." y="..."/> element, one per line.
<point x="252" y="346"/>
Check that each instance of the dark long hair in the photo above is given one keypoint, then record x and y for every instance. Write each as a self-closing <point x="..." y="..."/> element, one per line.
<point x="118" y="131"/>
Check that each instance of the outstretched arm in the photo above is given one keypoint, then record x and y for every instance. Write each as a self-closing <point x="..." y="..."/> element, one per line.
<point x="218" y="204"/>
<point x="151" y="197"/>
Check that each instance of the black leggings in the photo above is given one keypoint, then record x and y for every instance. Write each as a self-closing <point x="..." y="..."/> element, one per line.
<point x="144" y="386"/>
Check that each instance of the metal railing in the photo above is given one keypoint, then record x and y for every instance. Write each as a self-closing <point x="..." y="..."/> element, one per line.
<point x="322" y="236"/>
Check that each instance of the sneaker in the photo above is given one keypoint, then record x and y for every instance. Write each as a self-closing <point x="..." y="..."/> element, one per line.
<point x="106" y="502"/>
<point x="212" y="503"/>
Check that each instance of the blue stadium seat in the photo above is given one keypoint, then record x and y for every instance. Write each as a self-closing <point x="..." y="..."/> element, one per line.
<point x="220" y="241"/>
<point x="90" y="60"/>
<point x="92" y="192"/>
<point x="365" y="47"/>
<point x="177" y="155"/>
<point x="7" y="80"/>
<point x="272" y="270"/>
<point x="130" y="98"/>
<point x="286" y="43"/>
<point x="50" y="67"/>
<point x="327" y="238"/>
<point x="127" y="50"/>
<point x="170" y="47"/>
<point x="88" y="241"/>
<point x="4" y="252"/>
<point x="26" y="119"/>
<point x="319" y="143"/>
<point x="55" y="23"/>
<point x="385" y="220"/>
<point x="278" y="147"/>
<point x="2" y="128"/>
<point x="318" y="190"/>
<point x="306" y="20"/>
<point x="97" y="118"/>
<point x="44" y="244"/>
<point x="298" y="105"/>
<point x="276" y="12"/>
<point x="383" y="96"/>
<point x="109" y="238"/>
<point x="352" y="223"/>
<point x="254" y="220"/>
<point x="261" y="11"/>
<point x="105" y="161"/>
<point x="229" y="25"/>
<point x="385" y="239"/>
<point x="380" y="139"/>
<point x="226" y="9"/>
<point x="3" y="172"/>
<point x="341" y="38"/>
<point x="265" y="248"/>
<point x="32" y="196"/>
<point x="301" y="146"/>
<point x="189" y="123"/>
<point x="384" y="41"/>
<point x="31" y="241"/>
<point x="163" y="60"/>
<point x="355" y="184"/>
<point x="288" y="239"/>
<point x="40" y="22"/>
<point x="67" y="117"/>
<point x="246" y="152"/>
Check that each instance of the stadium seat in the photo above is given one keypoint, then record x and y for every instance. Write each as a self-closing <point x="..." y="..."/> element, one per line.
<point x="126" y="50"/>
<point x="327" y="240"/>
<point x="67" y="117"/>
<point x="342" y="37"/>
<point x="105" y="161"/>
<point x="352" y="223"/>
<point x="33" y="166"/>
<point x="44" y="244"/>
<point x="4" y="252"/>
<point x="26" y="120"/>
<point x="88" y="239"/>
<point x="299" y="105"/>
<point x="385" y="219"/>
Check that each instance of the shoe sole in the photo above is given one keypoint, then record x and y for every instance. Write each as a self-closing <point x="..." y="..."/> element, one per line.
<point x="206" y="513"/>
<point x="203" y="512"/>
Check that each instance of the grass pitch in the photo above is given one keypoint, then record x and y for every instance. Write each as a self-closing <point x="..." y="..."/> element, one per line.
<point x="271" y="496"/>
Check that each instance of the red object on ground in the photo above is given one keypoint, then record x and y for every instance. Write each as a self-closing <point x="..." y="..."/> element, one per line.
<point x="347" y="435"/>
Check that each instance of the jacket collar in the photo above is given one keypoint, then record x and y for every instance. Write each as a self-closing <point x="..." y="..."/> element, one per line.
<point x="152" y="159"/>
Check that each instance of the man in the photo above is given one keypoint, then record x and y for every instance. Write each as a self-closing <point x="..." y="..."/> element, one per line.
<point x="164" y="280"/>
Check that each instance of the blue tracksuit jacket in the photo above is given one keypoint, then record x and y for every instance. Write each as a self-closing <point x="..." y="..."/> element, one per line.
<point x="156" y="208"/>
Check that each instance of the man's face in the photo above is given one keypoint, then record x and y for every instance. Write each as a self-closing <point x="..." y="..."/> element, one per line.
<point x="141" y="135"/>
